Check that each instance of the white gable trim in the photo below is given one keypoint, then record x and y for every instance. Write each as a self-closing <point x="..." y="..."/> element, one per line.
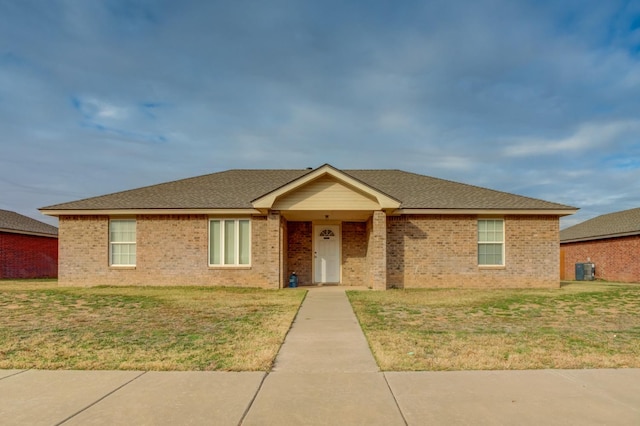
<point x="266" y="201"/>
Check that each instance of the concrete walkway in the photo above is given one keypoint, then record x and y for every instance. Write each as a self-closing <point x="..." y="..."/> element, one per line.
<point x="323" y="375"/>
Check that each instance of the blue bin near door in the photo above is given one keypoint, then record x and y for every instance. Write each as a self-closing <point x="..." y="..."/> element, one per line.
<point x="293" y="280"/>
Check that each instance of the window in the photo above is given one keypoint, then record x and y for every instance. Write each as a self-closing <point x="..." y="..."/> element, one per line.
<point x="327" y="234"/>
<point x="122" y="242"/>
<point x="490" y="242"/>
<point x="230" y="242"/>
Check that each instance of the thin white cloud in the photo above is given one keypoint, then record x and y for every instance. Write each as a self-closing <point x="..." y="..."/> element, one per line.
<point x="94" y="108"/>
<point x="586" y="137"/>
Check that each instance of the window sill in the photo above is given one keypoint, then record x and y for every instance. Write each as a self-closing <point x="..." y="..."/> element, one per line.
<point x="492" y="267"/>
<point x="122" y="267"/>
<point x="229" y="267"/>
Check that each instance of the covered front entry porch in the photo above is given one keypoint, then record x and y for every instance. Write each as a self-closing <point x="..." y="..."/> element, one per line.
<point x="333" y="229"/>
<point x="349" y="250"/>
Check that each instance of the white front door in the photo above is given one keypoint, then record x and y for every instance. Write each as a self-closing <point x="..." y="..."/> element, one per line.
<point x="327" y="253"/>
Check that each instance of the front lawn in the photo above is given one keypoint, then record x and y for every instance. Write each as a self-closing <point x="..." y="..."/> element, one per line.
<point x="581" y="325"/>
<point x="142" y="328"/>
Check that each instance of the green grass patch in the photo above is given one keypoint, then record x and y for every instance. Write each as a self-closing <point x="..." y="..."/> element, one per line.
<point x="142" y="328"/>
<point x="580" y="325"/>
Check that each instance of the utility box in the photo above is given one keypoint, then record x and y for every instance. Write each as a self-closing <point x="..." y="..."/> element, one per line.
<point x="585" y="271"/>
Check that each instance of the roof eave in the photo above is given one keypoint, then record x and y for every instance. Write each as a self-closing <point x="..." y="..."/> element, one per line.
<point x="32" y="233"/>
<point x="600" y="237"/>
<point x="497" y="211"/>
<point x="142" y="211"/>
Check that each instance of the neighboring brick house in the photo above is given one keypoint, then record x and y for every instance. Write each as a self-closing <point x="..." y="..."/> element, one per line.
<point x="28" y="247"/>
<point x="377" y="228"/>
<point x="610" y="241"/>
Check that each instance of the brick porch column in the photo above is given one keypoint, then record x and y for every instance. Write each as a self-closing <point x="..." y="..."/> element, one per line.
<point x="378" y="250"/>
<point x="274" y="245"/>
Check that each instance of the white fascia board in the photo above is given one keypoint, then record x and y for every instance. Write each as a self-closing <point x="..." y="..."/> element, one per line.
<point x="486" y="212"/>
<point x="133" y="212"/>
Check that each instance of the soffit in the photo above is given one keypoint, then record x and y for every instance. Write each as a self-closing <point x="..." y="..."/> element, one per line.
<point x="327" y="215"/>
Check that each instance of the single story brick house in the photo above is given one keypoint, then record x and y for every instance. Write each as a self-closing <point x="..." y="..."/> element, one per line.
<point x="28" y="247"/>
<point x="610" y="241"/>
<point x="377" y="228"/>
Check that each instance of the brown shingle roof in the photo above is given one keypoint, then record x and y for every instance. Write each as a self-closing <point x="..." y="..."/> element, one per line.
<point x="235" y="189"/>
<point x="16" y="223"/>
<point x="232" y="189"/>
<point x="609" y="225"/>
<point x="425" y="192"/>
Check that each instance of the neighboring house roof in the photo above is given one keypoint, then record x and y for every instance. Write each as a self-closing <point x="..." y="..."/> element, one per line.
<point x="611" y="225"/>
<point x="238" y="189"/>
<point x="16" y="223"/>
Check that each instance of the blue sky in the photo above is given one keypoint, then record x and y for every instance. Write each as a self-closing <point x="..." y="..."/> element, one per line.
<point x="538" y="98"/>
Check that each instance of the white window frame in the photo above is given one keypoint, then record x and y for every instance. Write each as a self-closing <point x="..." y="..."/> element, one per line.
<point x="122" y="243"/>
<point x="492" y="242"/>
<point x="236" y="243"/>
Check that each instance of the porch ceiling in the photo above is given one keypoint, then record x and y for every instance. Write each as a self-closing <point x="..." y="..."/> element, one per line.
<point x="328" y="215"/>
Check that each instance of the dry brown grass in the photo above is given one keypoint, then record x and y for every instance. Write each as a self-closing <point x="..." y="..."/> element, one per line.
<point x="142" y="328"/>
<point x="588" y="325"/>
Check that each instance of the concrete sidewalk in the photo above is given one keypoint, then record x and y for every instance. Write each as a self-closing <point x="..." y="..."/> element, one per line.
<point x="323" y="375"/>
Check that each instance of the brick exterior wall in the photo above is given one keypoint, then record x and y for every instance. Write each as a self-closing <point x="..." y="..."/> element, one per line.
<point x="377" y="252"/>
<point x="368" y="260"/>
<point x="171" y="250"/>
<point x="284" y="274"/>
<point x="616" y="259"/>
<point x="403" y="252"/>
<point x="300" y="251"/>
<point x="441" y="251"/>
<point x="354" y="253"/>
<point x="273" y="262"/>
<point x="28" y="256"/>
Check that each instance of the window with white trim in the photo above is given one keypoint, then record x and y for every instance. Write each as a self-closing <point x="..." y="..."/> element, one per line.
<point x="490" y="242"/>
<point x="229" y="242"/>
<point x="122" y="242"/>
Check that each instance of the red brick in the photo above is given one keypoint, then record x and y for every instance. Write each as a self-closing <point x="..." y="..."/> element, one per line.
<point x="28" y="256"/>
<point x="616" y="259"/>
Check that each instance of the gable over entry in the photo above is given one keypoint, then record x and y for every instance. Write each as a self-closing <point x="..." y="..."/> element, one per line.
<point x="316" y="210"/>
<point x="324" y="192"/>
